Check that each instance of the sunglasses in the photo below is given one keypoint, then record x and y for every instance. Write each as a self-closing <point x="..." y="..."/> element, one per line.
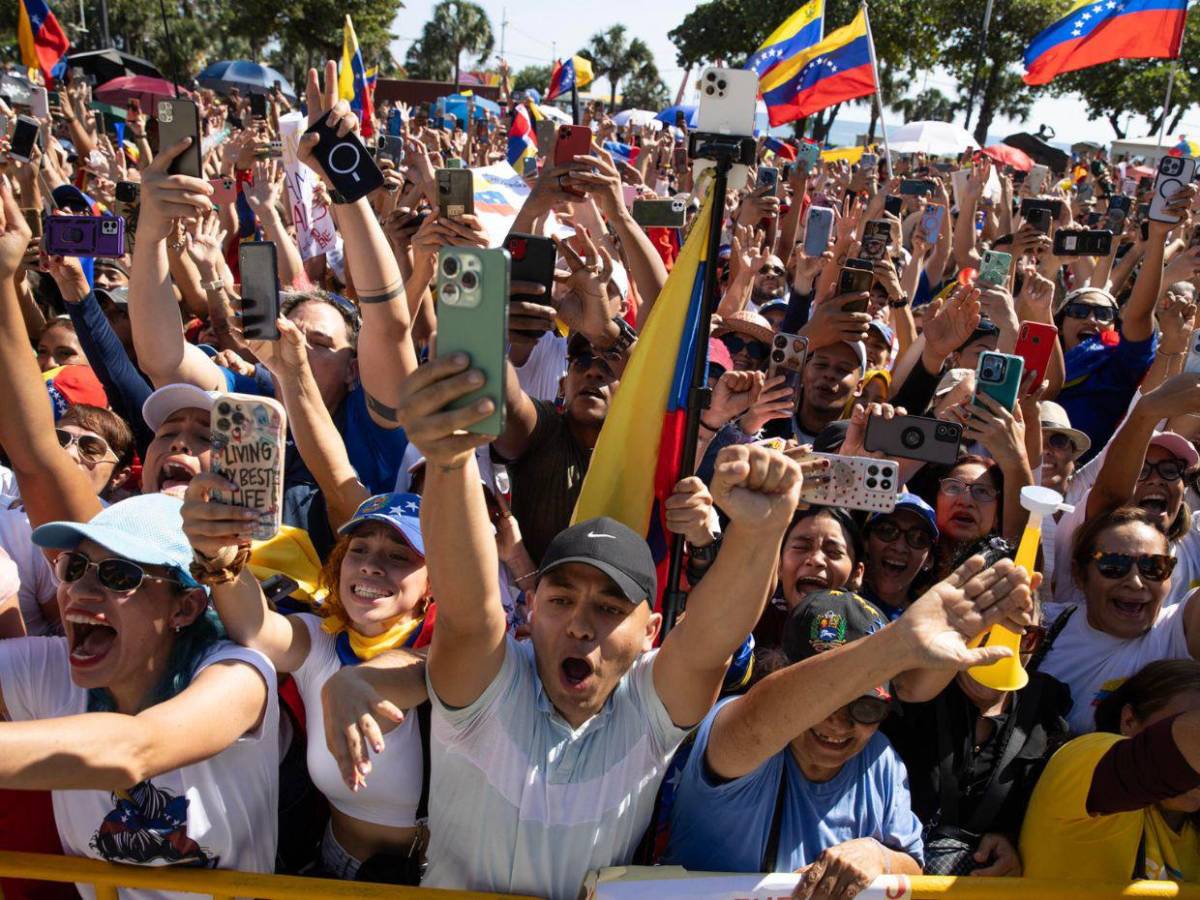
<point x="117" y="575"/>
<point x="954" y="487"/>
<point x="868" y="710"/>
<point x="1151" y="566"/>
<point x="584" y="360"/>
<point x="1032" y="638"/>
<point x="1167" y="469"/>
<point x="92" y="449"/>
<point x="1103" y="314"/>
<point x="735" y="344"/>
<point x="772" y="270"/>
<point x="917" y="538"/>
<point x="1058" y="441"/>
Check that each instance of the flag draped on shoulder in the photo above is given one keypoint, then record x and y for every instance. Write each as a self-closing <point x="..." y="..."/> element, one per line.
<point x="833" y="71"/>
<point x="41" y="39"/>
<point x="635" y="464"/>
<point x="575" y="72"/>
<point x="799" y="31"/>
<point x="352" y="79"/>
<point x="1100" y="31"/>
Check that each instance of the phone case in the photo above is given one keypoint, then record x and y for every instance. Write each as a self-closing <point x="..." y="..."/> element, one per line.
<point x="248" y="440"/>
<point x="894" y="205"/>
<point x="1082" y="243"/>
<point x="854" y="280"/>
<point x="1036" y="180"/>
<point x="808" y="155"/>
<point x="1174" y="173"/>
<point x="1035" y="345"/>
<point x="788" y="354"/>
<point x="346" y="161"/>
<point x="24" y="136"/>
<point x="999" y="376"/>
<point x="1192" y="363"/>
<point x="876" y="236"/>
<point x="531" y="258"/>
<point x="914" y="437"/>
<point x="659" y="213"/>
<point x="855" y="482"/>
<point x="39" y="102"/>
<point x="817" y="230"/>
<point x="727" y="101"/>
<point x="571" y="141"/>
<point x="85" y="236"/>
<point x="547" y="131"/>
<point x="456" y="193"/>
<point x="768" y="177"/>
<point x="259" y="267"/>
<point x="931" y="222"/>
<point x="994" y="268"/>
<point x="224" y="191"/>
<point x="178" y="119"/>
<point x="472" y="318"/>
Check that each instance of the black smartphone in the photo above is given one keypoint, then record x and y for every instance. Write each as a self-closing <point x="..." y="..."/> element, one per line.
<point x="177" y="119"/>
<point x="1082" y="243"/>
<point x="1039" y="219"/>
<point x="768" y="178"/>
<point x="260" y="290"/>
<point x="915" y="187"/>
<point x="455" y="193"/>
<point x="856" y="277"/>
<point x="258" y="106"/>
<point x="532" y="259"/>
<point x="345" y="161"/>
<point x="893" y="205"/>
<point x="914" y="437"/>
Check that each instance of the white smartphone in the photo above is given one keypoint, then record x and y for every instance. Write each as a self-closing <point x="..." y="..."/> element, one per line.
<point x="727" y="99"/>
<point x="817" y="229"/>
<point x="1174" y="174"/>
<point x="856" y="482"/>
<point x="39" y="103"/>
<point x="1035" y="181"/>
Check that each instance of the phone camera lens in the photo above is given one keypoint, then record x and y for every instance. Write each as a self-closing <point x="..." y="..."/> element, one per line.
<point x="709" y="90"/>
<point x="239" y="419"/>
<point x="710" y="76"/>
<point x="450" y="293"/>
<point x="912" y="438"/>
<point x="223" y="409"/>
<point x="449" y="266"/>
<point x="721" y="84"/>
<point x="222" y="424"/>
<point x="780" y="340"/>
<point x="885" y="485"/>
<point x="872" y="470"/>
<point x="470" y="281"/>
<point x="887" y="471"/>
<point x="777" y="356"/>
<point x="871" y="483"/>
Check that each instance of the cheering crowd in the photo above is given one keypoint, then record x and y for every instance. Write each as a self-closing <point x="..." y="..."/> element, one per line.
<point x="431" y="675"/>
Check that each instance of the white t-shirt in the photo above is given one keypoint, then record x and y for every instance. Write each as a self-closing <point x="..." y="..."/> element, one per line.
<point x="220" y="813"/>
<point x="38" y="584"/>
<point x="545" y="368"/>
<point x="394" y="788"/>
<point x="1087" y="660"/>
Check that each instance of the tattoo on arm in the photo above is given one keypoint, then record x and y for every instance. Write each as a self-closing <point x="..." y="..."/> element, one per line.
<point x="384" y="296"/>
<point x="387" y="413"/>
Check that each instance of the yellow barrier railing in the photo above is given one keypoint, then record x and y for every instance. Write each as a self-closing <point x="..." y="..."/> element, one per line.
<point x="224" y="884"/>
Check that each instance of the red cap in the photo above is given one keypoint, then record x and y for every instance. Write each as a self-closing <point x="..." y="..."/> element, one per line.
<point x="718" y="354"/>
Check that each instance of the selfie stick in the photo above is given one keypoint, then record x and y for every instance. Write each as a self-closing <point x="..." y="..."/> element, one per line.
<point x="1008" y="674"/>
<point x="725" y="151"/>
<point x="878" y="96"/>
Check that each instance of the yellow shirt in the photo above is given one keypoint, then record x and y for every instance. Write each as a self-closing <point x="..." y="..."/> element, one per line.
<point x="1060" y="840"/>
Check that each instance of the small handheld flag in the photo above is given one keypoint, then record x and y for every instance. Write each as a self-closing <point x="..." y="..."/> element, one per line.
<point x="352" y="79"/>
<point x="576" y="72"/>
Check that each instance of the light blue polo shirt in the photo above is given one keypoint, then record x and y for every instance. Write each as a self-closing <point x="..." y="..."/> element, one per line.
<point x="521" y="803"/>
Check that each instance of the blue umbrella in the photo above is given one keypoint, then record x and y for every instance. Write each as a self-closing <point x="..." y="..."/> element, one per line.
<point x="457" y="104"/>
<point x="668" y="115"/>
<point x="244" y="75"/>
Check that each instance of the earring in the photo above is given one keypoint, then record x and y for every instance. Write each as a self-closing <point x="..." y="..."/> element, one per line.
<point x="178" y="628"/>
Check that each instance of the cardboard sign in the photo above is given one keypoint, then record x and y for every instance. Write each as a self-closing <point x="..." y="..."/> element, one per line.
<point x="315" y="233"/>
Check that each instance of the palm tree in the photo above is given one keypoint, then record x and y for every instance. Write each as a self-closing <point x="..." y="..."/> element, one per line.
<point x="615" y="58"/>
<point x="457" y="27"/>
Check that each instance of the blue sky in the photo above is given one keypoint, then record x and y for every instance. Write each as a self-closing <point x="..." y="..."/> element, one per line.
<point x="540" y="29"/>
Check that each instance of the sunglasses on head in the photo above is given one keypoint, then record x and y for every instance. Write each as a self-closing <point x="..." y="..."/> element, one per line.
<point x="1151" y="566"/>
<point x="917" y="538"/>
<point x="118" y="575"/>
<point x="1103" y="314"/>
<point x="1056" y="440"/>
<point x="1167" y="469"/>
<point x="868" y="710"/>
<point x="92" y="449"/>
<point x="954" y="487"/>
<point x="735" y="344"/>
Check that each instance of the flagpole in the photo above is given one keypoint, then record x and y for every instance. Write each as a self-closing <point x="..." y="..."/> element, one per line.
<point x="574" y="101"/>
<point x="878" y="87"/>
<point x="1162" y="126"/>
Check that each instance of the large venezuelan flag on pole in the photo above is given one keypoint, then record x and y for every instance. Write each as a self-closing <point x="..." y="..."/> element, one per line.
<point x="1100" y="31"/>
<point x="799" y="31"/>
<point x="635" y="465"/>
<point x="352" y="79"/>
<point x="41" y="39"/>
<point x="833" y="71"/>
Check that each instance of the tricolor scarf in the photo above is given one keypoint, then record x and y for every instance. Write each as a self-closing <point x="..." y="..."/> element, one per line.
<point x="1086" y="357"/>
<point x="353" y="648"/>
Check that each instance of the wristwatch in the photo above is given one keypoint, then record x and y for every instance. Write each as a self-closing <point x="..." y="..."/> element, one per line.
<point x="901" y="301"/>
<point x="627" y="335"/>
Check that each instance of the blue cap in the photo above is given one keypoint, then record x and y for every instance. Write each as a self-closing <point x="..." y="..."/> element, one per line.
<point x="771" y="305"/>
<point x="401" y="511"/>
<point x="913" y="503"/>
<point x="884" y="330"/>
<point x="72" y="199"/>
<point x="146" y="529"/>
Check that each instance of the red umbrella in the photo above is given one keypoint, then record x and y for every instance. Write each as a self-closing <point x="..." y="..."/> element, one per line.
<point x="146" y="90"/>
<point x="1142" y="171"/>
<point x="1010" y="156"/>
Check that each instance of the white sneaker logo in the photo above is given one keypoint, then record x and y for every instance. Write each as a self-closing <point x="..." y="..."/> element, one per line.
<point x="592" y="534"/>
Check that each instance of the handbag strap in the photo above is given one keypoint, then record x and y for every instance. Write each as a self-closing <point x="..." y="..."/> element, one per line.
<point x="772" y="850"/>
<point x="1059" y="624"/>
<point x="1011" y="739"/>
<point x="424" y="714"/>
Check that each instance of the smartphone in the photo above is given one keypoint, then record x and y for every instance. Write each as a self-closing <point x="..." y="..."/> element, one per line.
<point x="546" y="130"/>
<point x="1192" y="363"/>
<point x="768" y="178"/>
<point x="571" y="141"/>
<point x="260" y="290"/>
<point x="1118" y="211"/>
<point x="869" y="162"/>
<point x="1082" y="243"/>
<point x="530" y="165"/>
<point x="1039" y="220"/>
<point x="127" y="204"/>
<point x="994" y="267"/>
<point x="1035" y="345"/>
<point x="999" y="376"/>
<point x="85" y="236"/>
<point x="389" y="146"/>
<point x="1129" y="187"/>
<point x="456" y="193"/>
<point x="659" y="213"/>
<point x="931" y="222"/>
<point x="472" y="318"/>
<point x="727" y="101"/>
<point x="856" y="278"/>
<point x="258" y="106"/>
<point x="1035" y="181"/>
<point x="224" y="191"/>
<point x="1084" y="192"/>
<point x="893" y="205"/>
<point x="680" y="120"/>
<point x="248" y="441"/>
<point x="877" y="234"/>
<point x="914" y="437"/>
<point x="345" y="161"/>
<point x="39" y="102"/>
<point x="455" y="162"/>
<point x="24" y="137"/>
<point x="177" y="119"/>
<point x="1174" y="173"/>
<point x="531" y="258"/>
<point x="788" y="353"/>
<point x="1092" y="219"/>
<point x="855" y="482"/>
<point x="817" y="230"/>
<point x="915" y="187"/>
<point x="808" y="155"/>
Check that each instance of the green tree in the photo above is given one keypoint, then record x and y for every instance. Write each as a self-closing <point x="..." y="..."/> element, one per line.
<point x="1126" y="87"/>
<point x="456" y="27"/>
<point x="928" y="105"/>
<point x="615" y="58"/>
<point x="644" y="89"/>
<point x="423" y="64"/>
<point x="536" y="77"/>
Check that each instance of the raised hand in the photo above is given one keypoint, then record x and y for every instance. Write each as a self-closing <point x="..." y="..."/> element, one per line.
<point x="324" y="102"/>
<point x="953" y="323"/>
<point x="166" y="197"/>
<point x="689" y="512"/>
<point x="756" y="486"/>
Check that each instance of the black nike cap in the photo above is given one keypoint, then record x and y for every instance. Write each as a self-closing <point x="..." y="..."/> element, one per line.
<point x="615" y="549"/>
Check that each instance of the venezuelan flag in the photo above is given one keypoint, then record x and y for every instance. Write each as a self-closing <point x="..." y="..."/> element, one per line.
<point x="782" y="149"/>
<point x="352" y="79"/>
<point x="635" y="464"/>
<point x="1100" y="31"/>
<point x="799" y="31"/>
<point x="575" y="72"/>
<point x="833" y="71"/>
<point x="41" y="39"/>
<point x="522" y="139"/>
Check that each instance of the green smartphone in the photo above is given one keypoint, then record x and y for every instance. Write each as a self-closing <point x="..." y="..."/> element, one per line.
<point x="472" y="318"/>
<point x="999" y="376"/>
